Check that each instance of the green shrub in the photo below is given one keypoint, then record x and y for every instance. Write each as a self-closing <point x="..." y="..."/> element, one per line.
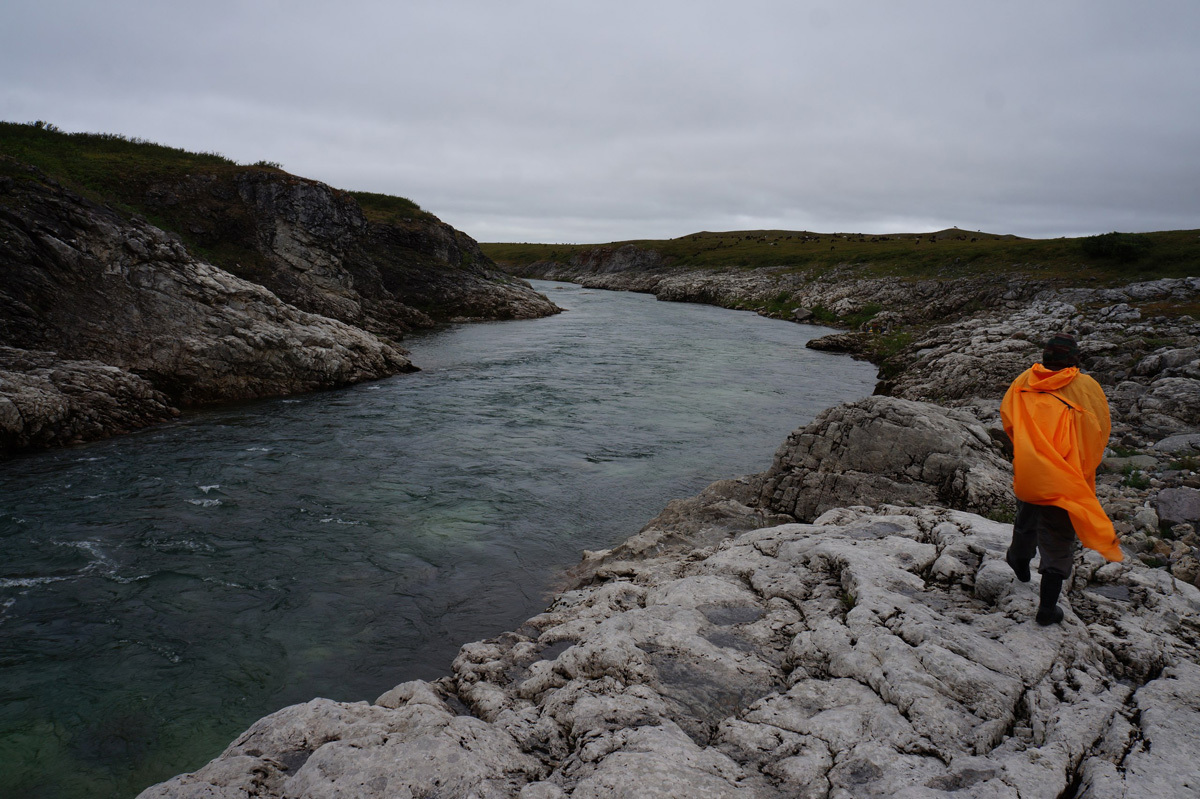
<point x="1135" y="478"/>
<point x="1002" y="515"/>
<point x="891" y="343"/>
<point x="823" y="314"/>
<point x="1188" y="463"/>
<point x="1121" y="247"/>
<point x="861" y="317"/>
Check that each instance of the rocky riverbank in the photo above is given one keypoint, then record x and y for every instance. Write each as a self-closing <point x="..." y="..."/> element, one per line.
<point x="731" y="649"/>
<point x="109" y="323"/>
<point x="959" y="342"/>
<point x="842" y="624"/>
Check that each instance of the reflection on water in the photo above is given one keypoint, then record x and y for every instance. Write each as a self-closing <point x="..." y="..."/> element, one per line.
<point x="161" y="591"/>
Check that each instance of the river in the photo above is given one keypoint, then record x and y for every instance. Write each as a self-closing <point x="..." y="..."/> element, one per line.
<point x="162" y="590"/>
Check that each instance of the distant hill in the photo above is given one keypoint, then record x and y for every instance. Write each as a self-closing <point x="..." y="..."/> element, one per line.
<point x="1113" y="257"/>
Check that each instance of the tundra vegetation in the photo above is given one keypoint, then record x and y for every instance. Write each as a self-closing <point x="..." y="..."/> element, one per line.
<point x="121" y="172"/>
<point x="1107" y="259"/>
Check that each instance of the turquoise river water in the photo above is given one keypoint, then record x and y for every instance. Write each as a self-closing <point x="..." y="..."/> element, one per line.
<point x="161" y="591"/>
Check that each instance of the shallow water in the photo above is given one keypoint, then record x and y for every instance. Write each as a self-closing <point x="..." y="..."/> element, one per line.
<point x="161" y="591"/>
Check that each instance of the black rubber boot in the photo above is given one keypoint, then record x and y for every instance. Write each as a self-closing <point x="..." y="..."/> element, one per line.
<point x="1021" y="569"/>
<point x="1048" y="611"/>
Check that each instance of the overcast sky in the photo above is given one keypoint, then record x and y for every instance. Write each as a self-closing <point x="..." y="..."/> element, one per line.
<point x="599" y="121"/>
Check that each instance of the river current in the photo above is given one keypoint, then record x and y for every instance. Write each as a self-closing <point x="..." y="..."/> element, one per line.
<point x="160" y="591"/>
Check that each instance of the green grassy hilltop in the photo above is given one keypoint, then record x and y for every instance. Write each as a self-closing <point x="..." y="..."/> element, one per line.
<point x="117" y="171"/>
<point x="1112" y="257"/>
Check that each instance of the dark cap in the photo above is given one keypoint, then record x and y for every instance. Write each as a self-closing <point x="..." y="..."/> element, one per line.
<point x="1061" y="351"/>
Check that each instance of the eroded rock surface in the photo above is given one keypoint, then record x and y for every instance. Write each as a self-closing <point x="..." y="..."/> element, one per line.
<point x="314" y="247"/>
<point x="870" y="653"/>
<point x="46" y="401"/>
<point x="109" y="323"/>
<point x="1149" y="367"/>
<point x="887" y="450"/>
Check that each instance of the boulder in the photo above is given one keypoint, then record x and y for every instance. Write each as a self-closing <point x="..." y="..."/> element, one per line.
<point x="853" y="343"/>
<point x="1146" y="519"/>
<point x="1167" y="360"/>
<point x="888" y="450"/>
<point x="1179" y="505"/>
<point x="1131" y="463"/>
<point x="1183" y="444"/>
<point x="1121" y="312"/>
<point x="802" y="314"/>
<point x="1171" y="405"/>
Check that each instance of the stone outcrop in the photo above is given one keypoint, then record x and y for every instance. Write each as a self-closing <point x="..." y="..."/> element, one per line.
<point x="887" y="450"/>
<point x="840" y="292"/>
<point x="46" y="401"/>
<point x="1150" y="367"/>
<point x="85" y="287"/>
<point x="870" y="653"/>
<point x="878" y="450"/>
<point x="1178" y="506"/>
<point x="315" y="248"/>
<point x="108" y="323"/>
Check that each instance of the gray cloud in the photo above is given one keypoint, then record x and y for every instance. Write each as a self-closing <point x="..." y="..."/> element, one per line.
<point x="548" y="121"/>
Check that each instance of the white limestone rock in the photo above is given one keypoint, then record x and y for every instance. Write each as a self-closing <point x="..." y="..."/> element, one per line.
<point x="883" y="652"/>
<point x="884" y="449"/>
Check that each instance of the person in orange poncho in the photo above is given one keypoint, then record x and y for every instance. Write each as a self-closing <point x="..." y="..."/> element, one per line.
<point x="1058" y="420"/>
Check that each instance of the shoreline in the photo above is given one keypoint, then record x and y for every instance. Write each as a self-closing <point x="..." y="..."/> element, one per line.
<point x="734" y="646"/>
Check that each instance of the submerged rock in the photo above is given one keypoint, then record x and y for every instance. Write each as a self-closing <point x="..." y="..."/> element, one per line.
<point x="870" y="653"/>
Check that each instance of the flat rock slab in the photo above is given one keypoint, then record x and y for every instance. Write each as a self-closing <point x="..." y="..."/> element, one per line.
<point x="1133" y="462"/>
<point x="1184" y="444"/>
<point x="885" y="652"/>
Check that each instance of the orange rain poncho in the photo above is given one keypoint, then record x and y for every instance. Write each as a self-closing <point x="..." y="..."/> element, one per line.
<point x="1059" y="425"/>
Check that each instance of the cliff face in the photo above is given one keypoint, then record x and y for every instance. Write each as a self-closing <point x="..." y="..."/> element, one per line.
<point x="314" y="247"/>
<point x="316" y="298"/>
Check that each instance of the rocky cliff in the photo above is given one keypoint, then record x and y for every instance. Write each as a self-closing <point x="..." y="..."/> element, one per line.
<point x="315" y="248"/>
<point x="109" y="323"/>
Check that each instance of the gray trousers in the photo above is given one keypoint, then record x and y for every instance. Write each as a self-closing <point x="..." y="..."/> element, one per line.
<point x="1047" y="530"/>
